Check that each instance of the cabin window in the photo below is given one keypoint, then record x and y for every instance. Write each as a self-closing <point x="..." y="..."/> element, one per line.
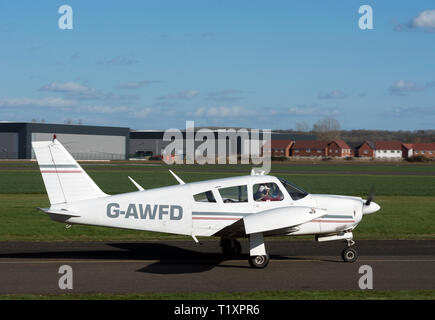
<point x="204" y="197"/>
<point x="234" y="194"/>
<point x="267" y="192"/>
<point x="295" y="192"/>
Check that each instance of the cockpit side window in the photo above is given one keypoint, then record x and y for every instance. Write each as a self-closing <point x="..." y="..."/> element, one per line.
<point x="267" y="192"/>
<point x="234" y="194"/>
<point x="295" y="192"/>
<point x="204" y="197"/>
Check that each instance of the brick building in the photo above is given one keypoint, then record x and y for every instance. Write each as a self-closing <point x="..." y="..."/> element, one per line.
<point x="339" y="148"/>
<point x="426" y="150"/>
<point x="309" y="148"/>
<point x="281" y="148"/>
<point x="365" y="150"/>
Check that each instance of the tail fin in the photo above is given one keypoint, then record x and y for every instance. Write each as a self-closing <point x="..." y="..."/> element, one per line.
<point x="63" y="177"/>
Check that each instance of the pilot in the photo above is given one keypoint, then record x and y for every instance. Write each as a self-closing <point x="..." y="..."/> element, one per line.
<point x="262" y="193"/>
<point x="274" y="192"/>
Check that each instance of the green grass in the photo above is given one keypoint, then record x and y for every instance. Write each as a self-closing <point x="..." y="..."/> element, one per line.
<point x="20" y="220"/>
<point x="114" y="181"/>
<point x="260" y="295"/>
<point x="407" y="201"/>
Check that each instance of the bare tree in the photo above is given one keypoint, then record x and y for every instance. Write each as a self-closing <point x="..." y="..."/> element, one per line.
<point x="302" y="127"/>
<point x="327" y="129"/>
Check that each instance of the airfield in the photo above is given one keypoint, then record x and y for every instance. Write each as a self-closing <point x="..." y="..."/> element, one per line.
<point x="398" y="242"/>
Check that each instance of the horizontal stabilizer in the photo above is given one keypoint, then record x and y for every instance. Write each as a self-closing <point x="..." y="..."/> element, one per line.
<point x="279" y="218"/>
<point x="62" y="212"/>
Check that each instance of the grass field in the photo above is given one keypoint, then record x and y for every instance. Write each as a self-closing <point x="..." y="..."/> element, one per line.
<point x="406" y="193"/>
<point x="260" y="295"/>
<point x="407" y="200"/>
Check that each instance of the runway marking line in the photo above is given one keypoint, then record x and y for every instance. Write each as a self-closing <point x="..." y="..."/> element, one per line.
<point x="224" y="262"/>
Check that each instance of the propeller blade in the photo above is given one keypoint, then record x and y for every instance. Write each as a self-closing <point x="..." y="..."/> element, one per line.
<point x="371" y="196"/>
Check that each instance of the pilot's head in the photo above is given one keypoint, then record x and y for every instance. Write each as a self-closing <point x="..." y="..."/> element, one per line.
<point x="263" y="189"/>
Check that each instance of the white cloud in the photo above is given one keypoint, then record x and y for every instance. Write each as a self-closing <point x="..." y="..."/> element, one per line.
<point x="226" y="95"/>
<point x="66" y="87"/>
<point x="43" y="102"/>
<point x="401" y="87"/>
<point x="121" y="60"/>
<point x="143" y="113"/>
<point x="335" y="94"/>
<point x="312" y="111"/>
<point x="220" y="112"/>
<point x="77" y="91"/>
<point x="134" y="84"/>
<point x="107" y="109"/>
<point x="425" y="19"/>
<point x="183" y="95"/>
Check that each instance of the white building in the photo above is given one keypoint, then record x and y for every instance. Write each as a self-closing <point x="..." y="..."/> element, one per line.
<point x="388" y="150"/>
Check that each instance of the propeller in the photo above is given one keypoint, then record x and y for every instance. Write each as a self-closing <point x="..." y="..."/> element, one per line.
<point x="370" y="206"/>
<point x="371" y="196"/>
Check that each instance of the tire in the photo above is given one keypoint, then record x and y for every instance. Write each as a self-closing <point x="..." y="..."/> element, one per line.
<point x="231" y="247"/>
<point x="349" y="255"/>
<point x="259" y="261"/>
<point x="237" y="248"/>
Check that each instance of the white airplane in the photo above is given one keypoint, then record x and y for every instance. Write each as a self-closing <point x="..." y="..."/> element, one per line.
<point x="250" y="206"/>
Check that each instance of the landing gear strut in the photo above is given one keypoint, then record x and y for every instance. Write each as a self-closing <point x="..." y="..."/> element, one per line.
<point x="349" y="254"/>
<point x="258" y="258"/>
<point x="230" y="247"/>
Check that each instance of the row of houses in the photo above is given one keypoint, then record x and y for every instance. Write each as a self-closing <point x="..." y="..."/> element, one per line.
<point x="341" y="149"/>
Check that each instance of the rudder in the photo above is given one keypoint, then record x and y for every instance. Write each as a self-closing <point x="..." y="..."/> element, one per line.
<point x="64" y="179"/>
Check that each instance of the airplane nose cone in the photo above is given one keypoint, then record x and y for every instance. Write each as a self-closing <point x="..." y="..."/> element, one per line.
<point x="371" y="208"/>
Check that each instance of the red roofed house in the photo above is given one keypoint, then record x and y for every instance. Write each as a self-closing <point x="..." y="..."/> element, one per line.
<point x="426" y="150"/>
<point x="407" y="150"/>
<point x="339" y="148"/>
<point x="366" y="150"/>
<point x="388" y="149"/>
<point x="309" y="148"/>
<point x="281" y="148"/>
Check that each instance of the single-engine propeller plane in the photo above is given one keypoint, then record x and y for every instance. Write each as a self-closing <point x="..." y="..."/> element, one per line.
<point x="253" y="206"/>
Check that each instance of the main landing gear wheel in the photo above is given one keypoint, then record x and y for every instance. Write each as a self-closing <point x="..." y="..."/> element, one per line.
<point x="349" y="255"/>
<point x="259" y="261"/>
<point x="231" y="247"/>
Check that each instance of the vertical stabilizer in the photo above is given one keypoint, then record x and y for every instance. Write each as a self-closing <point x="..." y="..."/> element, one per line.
<point x="64" y="179"/>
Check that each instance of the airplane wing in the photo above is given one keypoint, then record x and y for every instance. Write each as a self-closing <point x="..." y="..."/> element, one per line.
<point x="274" y="221"/>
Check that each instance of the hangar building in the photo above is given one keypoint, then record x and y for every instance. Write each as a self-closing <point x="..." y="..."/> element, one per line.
<point x="83" y="142"/>
<point x="151" y="143"/>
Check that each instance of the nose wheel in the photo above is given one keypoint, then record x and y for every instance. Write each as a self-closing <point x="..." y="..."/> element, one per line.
<point x="349" y="254"/>
<point x="259" y="261"/>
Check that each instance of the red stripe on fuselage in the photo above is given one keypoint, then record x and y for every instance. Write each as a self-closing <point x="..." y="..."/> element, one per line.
<point x="60" y="171"/>
<point x="213" y="218"/>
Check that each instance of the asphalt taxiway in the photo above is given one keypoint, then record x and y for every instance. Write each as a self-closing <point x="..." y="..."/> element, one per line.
<point x="182" y="266"/>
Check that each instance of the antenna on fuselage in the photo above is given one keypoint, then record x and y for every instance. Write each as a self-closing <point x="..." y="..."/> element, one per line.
<point x="257" y="172"/>
<point x="138" y="186"/>
<point x="176" y="177"/>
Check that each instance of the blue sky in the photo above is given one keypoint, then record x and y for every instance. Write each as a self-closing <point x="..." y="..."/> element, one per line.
<point x="258" y="64"/>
